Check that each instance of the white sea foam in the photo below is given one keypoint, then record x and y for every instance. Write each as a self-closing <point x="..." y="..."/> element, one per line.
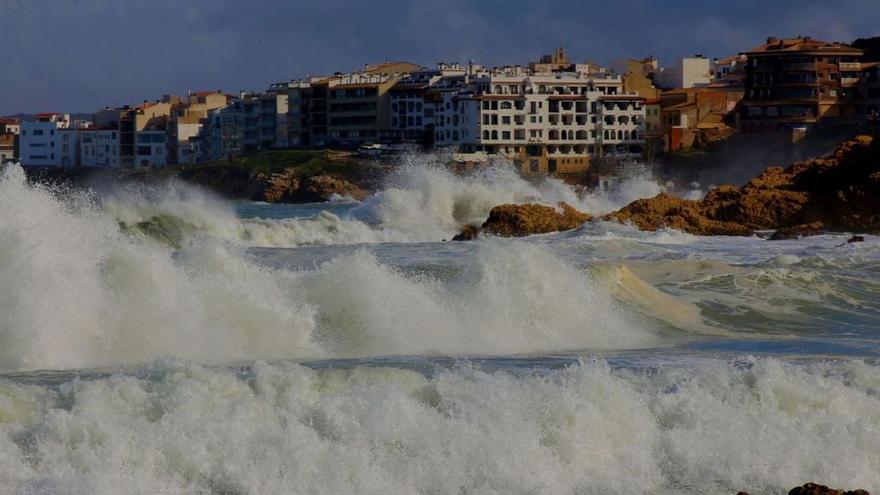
<point x="79" y="292"/>
<point x="757" y="425"/>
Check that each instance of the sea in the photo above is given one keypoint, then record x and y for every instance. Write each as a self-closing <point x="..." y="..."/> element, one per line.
<point x="160" y="340"/>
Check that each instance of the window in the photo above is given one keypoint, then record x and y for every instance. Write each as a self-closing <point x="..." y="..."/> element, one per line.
<point x="38" y="132"/>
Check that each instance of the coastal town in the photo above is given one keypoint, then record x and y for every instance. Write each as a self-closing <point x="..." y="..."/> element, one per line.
<point x="554" y="116"/>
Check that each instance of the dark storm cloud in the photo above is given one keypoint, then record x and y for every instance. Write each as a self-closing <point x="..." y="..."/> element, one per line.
<point x="80" y="55"/>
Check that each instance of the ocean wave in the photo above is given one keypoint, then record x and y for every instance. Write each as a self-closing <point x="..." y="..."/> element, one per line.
<point x="78" y="291"/>
<point x="717" y="427"/>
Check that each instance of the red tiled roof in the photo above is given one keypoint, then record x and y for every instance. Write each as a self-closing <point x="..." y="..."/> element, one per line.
<point x="802" y="44"/>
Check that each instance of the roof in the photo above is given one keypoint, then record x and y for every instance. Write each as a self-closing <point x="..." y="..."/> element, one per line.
<point x="47" y="114"/>
<point x="680" y="106"/>
<point x="652" y="101"/>
<point x="730" y="59"/>
<point x="802" y="44"/>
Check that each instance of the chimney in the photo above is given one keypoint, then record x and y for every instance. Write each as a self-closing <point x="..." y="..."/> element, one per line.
<point x="772" y="39"/>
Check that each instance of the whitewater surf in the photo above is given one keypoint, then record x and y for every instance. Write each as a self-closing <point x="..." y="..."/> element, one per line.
<point x="162" y="340"/>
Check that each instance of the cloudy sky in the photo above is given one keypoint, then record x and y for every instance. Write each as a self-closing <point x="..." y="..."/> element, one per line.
<point x="80" y="55"/>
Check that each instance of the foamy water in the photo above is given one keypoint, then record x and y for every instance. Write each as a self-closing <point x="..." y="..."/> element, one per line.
<point x="345" y="348"/>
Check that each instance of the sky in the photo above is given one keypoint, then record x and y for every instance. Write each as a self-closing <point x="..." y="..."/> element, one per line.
<point x="82" y="55"/>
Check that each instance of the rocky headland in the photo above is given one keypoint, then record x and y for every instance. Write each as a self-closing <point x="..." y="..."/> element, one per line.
<point x="839" y="192"/>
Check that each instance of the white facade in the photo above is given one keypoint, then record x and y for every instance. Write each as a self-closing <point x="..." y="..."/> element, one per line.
<point x="38" y="144"/>
<point x="69" y="147"/>
<point x="568" y="115"/>
<point x="688" y="72"/>
<point x="99" y="148"/>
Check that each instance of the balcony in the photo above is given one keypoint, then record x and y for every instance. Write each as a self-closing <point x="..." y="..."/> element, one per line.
<point x="850" y="66"/>
<point x="805" y="66"/>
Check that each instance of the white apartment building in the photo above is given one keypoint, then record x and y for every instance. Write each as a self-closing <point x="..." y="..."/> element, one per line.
<point x="99" y="147"/>
<point x="412" y="102"/>
<point x="688" y="72"/>
<point x="547" y="123"/>
<point x="39" y="144"/>
<point x="53" y="140"/>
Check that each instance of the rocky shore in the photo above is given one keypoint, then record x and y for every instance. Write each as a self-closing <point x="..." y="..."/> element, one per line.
<point x="288" y="177"/>
<point x="836" y="193"/>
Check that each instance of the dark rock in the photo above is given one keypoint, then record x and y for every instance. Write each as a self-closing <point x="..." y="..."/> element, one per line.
<point x="814" y="489"/>
<point x="798" y="231"/>
<point x="468" y="233"/>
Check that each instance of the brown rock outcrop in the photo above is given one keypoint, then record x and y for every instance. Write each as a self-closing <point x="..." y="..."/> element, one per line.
<point x="281" y="187"/>
<point x="517" y="220"/>
<point x="287" y="187"/>
<point x="323" y="187"/>
<point x="840" y="192"/>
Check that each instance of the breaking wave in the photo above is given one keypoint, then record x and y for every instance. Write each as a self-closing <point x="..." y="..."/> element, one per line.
<point x="80" y="289"/>
<point x="711" y="427"/>
<point x="418" y="203"/>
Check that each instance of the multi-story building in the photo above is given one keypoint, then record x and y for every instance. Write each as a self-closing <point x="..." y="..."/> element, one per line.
<point x="224" y="131"/>
<point x="299" y="112"/>
<point x="9" y="131"/>
<point x="729" y="71"/>
<point x="351" y="109"/>
<point x="40" y="141"/>
<point x="638" y="76"/>
<point x="412" y="104"/>
<point x="185" y="129"/>
<point x="800" y="82"/>
<point x="151" y="143"/>
<point x="694" y="116"/>
<point x="688" y="72"/>
<point x="871" y="89"/>
<point x="546" y="123"/>
<point x="99" y="147"/>
<point x="8" y="146"/>
<point x="10" y="126"/>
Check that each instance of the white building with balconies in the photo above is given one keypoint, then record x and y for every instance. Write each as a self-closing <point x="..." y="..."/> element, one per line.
<point x="547" y="123"/>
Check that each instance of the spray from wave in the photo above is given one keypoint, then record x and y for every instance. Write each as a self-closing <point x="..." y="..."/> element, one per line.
<point x="420" y="202"/>
<point x="79" y="290"/>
